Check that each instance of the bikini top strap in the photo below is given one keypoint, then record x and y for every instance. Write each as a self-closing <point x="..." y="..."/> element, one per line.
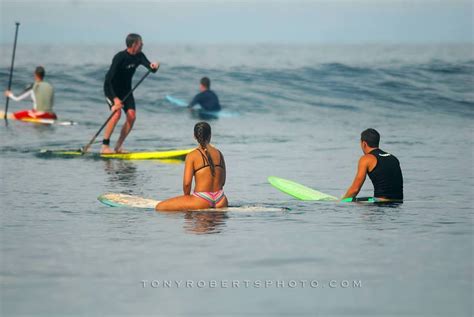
<point x="204" y="158"/>
<point x="221" y="159"/>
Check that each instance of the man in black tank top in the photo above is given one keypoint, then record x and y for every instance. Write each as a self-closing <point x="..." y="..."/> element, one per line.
<point x="383" y="169"/>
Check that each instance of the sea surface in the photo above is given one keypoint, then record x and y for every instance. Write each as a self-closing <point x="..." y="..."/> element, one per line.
<point x="300" y="111"/>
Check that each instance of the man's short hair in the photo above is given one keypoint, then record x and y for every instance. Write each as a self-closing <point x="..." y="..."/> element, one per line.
<point x="371" y="137"/>
<point x="40" y="72"/>
<point x="131" y="39"/>
<point x="206" y="82"/>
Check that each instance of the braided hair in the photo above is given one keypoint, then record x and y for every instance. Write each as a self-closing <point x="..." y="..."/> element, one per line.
<point x="202" y="133"/>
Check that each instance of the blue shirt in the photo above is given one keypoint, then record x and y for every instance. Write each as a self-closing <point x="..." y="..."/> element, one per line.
<point x="207" y="100"/>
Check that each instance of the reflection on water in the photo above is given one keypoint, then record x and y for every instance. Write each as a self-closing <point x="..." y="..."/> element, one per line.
<point x="205" y="116"/>
<point x="122" y="173"/>
<point x="204" y="222"/>
<point x="24" y="125"/>
<point x="43" y="128"/>
<point x="382" y="214"/>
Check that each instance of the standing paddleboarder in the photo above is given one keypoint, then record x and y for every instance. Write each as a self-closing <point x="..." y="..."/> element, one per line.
<point x="118" y="83"/>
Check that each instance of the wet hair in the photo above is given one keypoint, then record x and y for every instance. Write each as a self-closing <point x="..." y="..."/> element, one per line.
<point x="131" y="39"/>
<point x="202" y="133"/>
<point x="40" y="72"/>
<point x="206" y="82"/>
<point x="371" y="136"/>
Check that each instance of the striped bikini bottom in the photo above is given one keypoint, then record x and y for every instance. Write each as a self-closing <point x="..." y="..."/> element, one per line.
<point x="213" y="198"/>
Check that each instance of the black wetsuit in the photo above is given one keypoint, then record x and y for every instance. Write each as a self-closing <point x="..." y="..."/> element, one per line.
<point x="387" y="176"/>
<point x="118" y="81"/>
<point x="208" y="101"/>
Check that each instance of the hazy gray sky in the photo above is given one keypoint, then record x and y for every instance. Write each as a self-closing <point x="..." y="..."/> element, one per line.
<point x="317" y="21"/>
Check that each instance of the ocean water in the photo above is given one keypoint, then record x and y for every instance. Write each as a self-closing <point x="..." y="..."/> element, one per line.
<point x="301" y="110"/>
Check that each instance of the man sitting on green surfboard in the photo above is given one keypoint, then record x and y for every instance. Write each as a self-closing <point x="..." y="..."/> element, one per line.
<point x="383" y="170"/>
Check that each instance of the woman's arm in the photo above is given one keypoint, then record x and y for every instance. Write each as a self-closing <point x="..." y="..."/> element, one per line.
<point x="188" y="174"/>
<point x="225" y="171"/>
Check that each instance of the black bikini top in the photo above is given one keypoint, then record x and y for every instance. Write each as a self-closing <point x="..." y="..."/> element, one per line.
<point x="206" y="162"/>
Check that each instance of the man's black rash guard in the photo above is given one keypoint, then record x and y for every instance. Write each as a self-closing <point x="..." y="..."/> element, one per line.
<point x="118" y="81"/>
<point x="208" y="101"/>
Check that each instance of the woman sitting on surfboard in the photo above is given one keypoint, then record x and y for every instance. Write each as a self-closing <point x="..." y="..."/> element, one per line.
<point x="206" y="164"/>
<point x="42" y="94"/>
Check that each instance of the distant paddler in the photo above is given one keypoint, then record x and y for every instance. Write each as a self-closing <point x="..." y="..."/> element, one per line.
<point x="382" y="168"/>
<point x="118" y="83"/>
<point x="42" y="94"/>
<point x="207" y="98"/>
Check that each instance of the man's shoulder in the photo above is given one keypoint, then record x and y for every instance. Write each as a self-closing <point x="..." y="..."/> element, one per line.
<point x="29" y="87"/>
<point x="120" y="55"/>
<point x="200" y="94"/>
<point x="366" y="158"/>
<point x="383" y="153"/>
<point x="141" y="56"/>
<point x="210" y="93"/>
<point x="44" y="84"/>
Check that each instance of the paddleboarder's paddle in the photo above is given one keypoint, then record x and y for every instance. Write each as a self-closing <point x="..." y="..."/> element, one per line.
<point x="11" y="69"/>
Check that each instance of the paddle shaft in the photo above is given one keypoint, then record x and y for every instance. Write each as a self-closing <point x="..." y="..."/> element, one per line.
<point x="86" y="148"/>
<point x="11" y="69"/>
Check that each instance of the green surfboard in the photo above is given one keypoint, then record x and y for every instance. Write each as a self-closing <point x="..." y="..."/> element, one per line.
<point x="299" y="191"/>
<point x="302" y="192"/>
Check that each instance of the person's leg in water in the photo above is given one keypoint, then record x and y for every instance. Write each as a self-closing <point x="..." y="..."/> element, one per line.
<point x="127" y="127"/>
<point x="109" y="129"/>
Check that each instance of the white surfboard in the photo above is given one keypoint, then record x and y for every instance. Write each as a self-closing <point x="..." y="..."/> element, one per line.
<point x="124" y="200"/>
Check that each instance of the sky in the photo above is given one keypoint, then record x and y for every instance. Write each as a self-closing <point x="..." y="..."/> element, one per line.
<point x="235" y="22"/>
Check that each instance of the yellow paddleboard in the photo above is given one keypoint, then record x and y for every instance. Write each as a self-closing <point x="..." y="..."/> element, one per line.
<point x="155" y="155"/>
